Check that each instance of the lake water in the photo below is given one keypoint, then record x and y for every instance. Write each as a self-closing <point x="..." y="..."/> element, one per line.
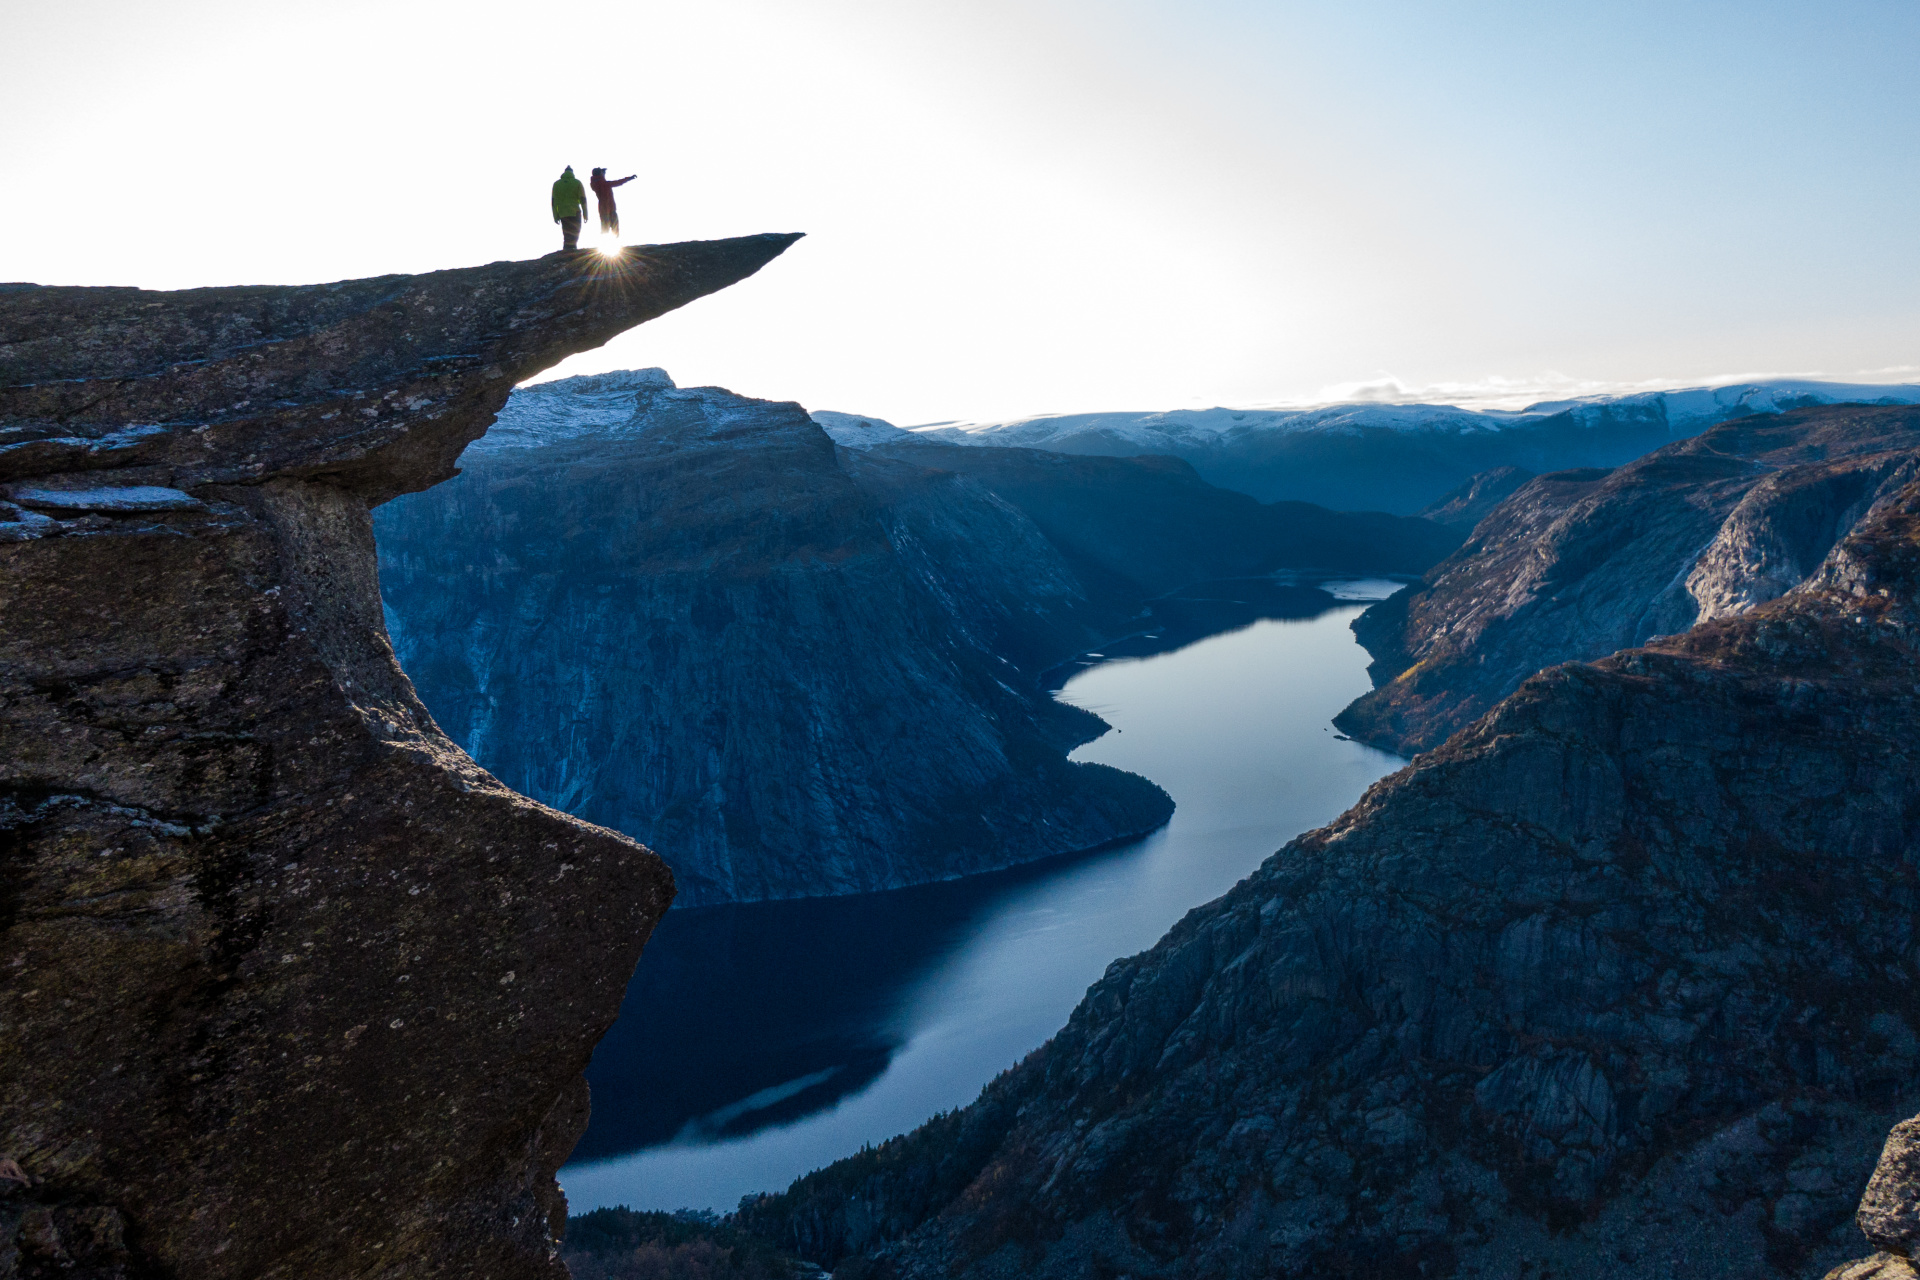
<point x="763" y="1041"/>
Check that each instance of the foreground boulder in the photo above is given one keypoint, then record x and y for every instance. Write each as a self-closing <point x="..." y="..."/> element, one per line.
<point x="291" y="987"/>
<point x="1619" y="981"/>
<point x="1889" y="1213"/>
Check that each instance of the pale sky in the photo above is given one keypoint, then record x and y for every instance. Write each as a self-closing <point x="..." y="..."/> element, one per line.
<point x="1012" y="208"/>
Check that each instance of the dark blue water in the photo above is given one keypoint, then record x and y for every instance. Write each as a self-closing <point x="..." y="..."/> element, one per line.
<point x="760" y="1042"/>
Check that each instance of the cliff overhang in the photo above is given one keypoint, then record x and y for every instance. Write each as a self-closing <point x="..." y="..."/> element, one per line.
<point x="292" y="987"/>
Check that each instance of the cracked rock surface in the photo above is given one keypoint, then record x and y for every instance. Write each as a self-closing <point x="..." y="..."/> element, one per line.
<point x="291" y="987"/>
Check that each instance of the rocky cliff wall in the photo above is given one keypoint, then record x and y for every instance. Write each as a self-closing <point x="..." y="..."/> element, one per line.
<point x="1574" y="565"/>
<point x="694" y="626"/>
<point x="291" y="987"/>
<point x="1619" y="981"/>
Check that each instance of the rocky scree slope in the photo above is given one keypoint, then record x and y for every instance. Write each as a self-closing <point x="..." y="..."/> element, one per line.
<point x="1619" y="981"/>
<point x="673" y="612"/>
<point x="291" y="987"/>
<point x="1574" y="565"/>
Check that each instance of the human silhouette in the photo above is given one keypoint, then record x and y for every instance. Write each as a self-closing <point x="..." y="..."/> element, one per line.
<point x="569" y="207"/>
<point x="603" y="196"/>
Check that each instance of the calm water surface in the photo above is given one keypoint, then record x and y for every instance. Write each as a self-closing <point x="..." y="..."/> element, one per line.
<point x="764" y="1041"/>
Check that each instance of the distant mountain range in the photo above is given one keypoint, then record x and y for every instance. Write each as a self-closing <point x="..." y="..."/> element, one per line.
<point x="1384" y="457"/>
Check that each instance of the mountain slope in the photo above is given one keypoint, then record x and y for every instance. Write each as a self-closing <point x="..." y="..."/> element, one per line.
<point x="1619" y="981"/>
<point x="1156" y="523"/>
<point x="692" y="626"/>
<point x="1575" y="565"/>
<point x="800" y="669"/>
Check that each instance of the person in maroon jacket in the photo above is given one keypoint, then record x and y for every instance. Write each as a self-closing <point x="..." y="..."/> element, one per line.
<point x="603" y="196"/>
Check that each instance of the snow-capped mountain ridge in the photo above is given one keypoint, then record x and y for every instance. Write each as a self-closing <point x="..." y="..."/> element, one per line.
<point x="1374" y="456"/>
<point x="1361" y="455"/>
<point x="598" y="404"/>
<point x="606" y="406"/>
<point x="1685" y="411"/>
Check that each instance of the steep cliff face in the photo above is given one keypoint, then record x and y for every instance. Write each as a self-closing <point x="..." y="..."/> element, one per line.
<point x="693" y="626"/>
<point x="291" y="986"/>
<point x="1618" y="981"/>
<point x="1576" y="564"/>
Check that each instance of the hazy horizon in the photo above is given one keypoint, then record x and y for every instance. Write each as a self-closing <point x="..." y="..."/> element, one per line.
<point x="1049" y="207"/>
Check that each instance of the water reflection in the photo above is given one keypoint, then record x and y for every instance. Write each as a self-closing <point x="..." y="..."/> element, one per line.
<point x="1203" y="609"/>
<point x="766" y="1040"/>
<point x="773" y="1010"/>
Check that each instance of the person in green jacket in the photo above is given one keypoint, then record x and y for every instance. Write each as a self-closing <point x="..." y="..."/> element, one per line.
<point x="569" y="208"/>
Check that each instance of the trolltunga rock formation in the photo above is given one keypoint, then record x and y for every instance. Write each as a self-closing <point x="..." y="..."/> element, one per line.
<point x="291" y="987"/>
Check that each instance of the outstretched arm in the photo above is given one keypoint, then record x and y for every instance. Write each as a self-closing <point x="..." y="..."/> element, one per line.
<point x="623" y="181"/>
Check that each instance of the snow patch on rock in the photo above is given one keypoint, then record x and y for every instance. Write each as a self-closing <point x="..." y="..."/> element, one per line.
<point x="856" y="432"/>
<point x="597" y="404"/>
<point x="611" y="406"/>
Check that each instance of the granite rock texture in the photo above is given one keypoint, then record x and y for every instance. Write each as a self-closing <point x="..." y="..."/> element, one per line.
<point x="1618" y="982"/>
<point x="1574" y="565"/>
<point x="291" y="987"/>
<point x="696" y="627"/>
<point x="1889" y="1213"/>
<point x="1881" y="1266"/>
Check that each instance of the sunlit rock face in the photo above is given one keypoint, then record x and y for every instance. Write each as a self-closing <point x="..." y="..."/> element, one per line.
<point x="1617" y="981"/>
<point x="292" y="987"/>
<point x="1576" y="564"/>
